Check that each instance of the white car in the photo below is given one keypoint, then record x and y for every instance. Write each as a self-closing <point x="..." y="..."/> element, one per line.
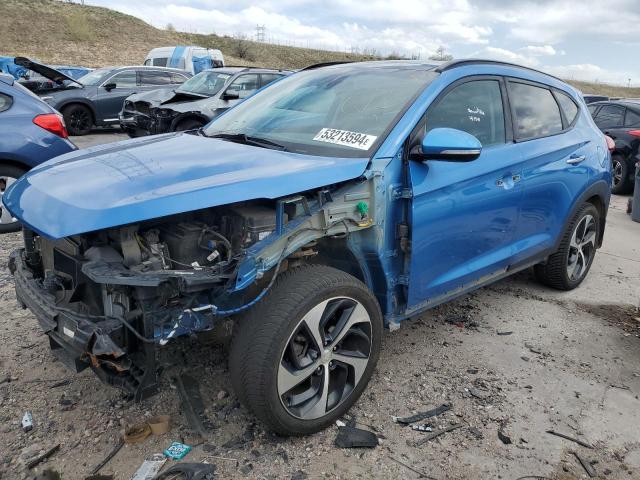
<point x="192" y="58"/>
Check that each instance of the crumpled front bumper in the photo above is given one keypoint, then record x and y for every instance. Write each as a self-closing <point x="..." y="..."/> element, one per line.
<point x="77" y="340"/>
<point x="143" y="124"/>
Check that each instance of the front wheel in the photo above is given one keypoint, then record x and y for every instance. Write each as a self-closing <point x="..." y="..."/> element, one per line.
<point x="568" y="267"/>
<point x="8" y="175"/>
<point x="188" y="124"/>
<point x="303" y="356"/>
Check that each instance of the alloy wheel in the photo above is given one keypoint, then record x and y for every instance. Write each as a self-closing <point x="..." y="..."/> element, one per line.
<point x="80" y="120"/>
<point x="617" y="172"/>
<point x="5" y="216"/>
<point x="324" y="358"/>
<point x="581" y="248"/>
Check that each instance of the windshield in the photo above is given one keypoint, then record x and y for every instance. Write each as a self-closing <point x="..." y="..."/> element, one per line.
<point x="339" y="111"/>
<point x="96" y="77"/>
<point x="205" y="83"/>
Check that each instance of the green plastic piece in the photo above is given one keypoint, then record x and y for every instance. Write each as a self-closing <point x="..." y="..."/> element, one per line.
<point x="363" y="208"/>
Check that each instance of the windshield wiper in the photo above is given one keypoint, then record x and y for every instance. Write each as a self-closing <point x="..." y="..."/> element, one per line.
<point x="249" y="140"/>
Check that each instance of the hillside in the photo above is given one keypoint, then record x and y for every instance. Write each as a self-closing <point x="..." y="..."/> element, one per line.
<point x="67" y="33"/>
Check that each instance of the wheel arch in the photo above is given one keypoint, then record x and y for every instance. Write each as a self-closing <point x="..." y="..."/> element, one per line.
<point x="89" y="105"/>
<point x="188" y="116"/>
<point x="15" y="163"/>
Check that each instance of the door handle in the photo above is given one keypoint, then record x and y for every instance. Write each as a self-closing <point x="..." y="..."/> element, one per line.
<point x="576" y="159"/>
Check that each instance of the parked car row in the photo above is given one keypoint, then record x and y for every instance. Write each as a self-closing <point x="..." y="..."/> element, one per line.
<point x="336" y="201"/>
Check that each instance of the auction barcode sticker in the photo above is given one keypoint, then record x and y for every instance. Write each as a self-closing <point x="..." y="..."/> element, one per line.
<point x="361" y="141"/>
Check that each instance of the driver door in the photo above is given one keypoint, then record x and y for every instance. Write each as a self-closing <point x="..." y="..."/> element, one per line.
<point x="464" y="214"/>
<point x="109" y="102"/>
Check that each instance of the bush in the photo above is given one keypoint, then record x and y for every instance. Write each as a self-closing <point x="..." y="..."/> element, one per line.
<point x="242" y="47"/>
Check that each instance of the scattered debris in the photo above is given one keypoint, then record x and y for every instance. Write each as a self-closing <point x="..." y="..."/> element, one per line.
<point x="192" y="404"/>
<point x="433" y="435"/>
<point x="150" y="467"/>
<point x="137" y="433"/>
<point x="532" y="348"/>
<point x="159" y="424"/>
<point x="177" y="450"/>
<point x="586" y="465"/>
<point x="299" y="475"/>
<point x="476" y="433"/>
<point x="62" y="383"/>
<point x="5" y="379"/>
<point x="504" y="438"/>
<point x="111" y="454"/>
<point x="189" y="471"/>
<point x="351" y="437"/>
<point x="481" y="394"/>
<point x="41" y="458"/>
<point x="422" y="428"/>
<point x="49" y="474"/>
<point x="423" y="415"/>
<point x="567" y="437"/>
<point x="504" y="333"/>
<point x="99" y="476"/>
<point x="414" y="470"/>
<point x="472" y="370"/>
<point x="27" y="422"/>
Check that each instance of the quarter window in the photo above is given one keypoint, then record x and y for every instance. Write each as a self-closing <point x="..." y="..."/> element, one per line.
<point x="177" y="78"/>
<point x="5" y="102"/>
<point x="124" y="79"/>
<point x="610" y="116"/>
<point x="153" y="78"/>
<point x="632" y="118"/>
<point x="568" y="106"/>
<point x="267" y="78"/>
<point x="474" y="107"/>
<point x="536" y="111"/>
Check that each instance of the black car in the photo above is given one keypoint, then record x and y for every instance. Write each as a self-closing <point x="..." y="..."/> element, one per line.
<point x="95" y="99"/>
<point x="592" y="98"/>
<point x="621" y="121"/>
<point x="196" y="102"/>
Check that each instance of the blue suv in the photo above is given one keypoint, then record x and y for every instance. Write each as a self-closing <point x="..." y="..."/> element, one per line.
<point x="31" y="132"/>
<point x="341" y="200"/>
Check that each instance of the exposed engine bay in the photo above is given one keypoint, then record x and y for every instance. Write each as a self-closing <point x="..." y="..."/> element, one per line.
<point x="109" y="299"/>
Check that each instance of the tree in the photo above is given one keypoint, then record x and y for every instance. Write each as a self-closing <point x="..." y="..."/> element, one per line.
<point x="170" y="27"/>
<point x="441" y="55"/>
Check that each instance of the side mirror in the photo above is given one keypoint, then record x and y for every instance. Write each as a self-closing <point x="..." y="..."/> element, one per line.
<point x="231" y="95"/>
<point x="448" y="144"/>
<point x="109" y="86"/>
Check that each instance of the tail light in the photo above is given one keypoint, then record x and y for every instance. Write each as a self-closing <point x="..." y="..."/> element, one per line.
<point x="611" y="145"/>
<point x="635" y="133"/>
<point x="52" y="122"/>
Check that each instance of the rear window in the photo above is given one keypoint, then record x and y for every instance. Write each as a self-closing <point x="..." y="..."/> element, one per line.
<point x="610" y="116"/>
<point x="536" y="111"/>
<point x="151" y="78"/>
<point x="160" y="62"/>
<point x="632" y="118"/>
<point x="569" y="108"/>
<point x="5" y="102"/>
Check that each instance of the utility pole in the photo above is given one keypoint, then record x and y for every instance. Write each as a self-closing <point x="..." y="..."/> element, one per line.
<point x="260" y="33"/>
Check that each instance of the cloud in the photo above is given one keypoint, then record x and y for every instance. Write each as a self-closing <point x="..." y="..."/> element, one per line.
<point x="540" y="50"/>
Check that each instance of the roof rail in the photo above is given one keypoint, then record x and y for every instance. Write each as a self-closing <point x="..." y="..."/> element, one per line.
<point x="324" y="64"/>
<point x="479" y="61"/>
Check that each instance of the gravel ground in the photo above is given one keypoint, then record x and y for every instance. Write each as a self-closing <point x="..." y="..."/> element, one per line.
<point x="514" y="358"/>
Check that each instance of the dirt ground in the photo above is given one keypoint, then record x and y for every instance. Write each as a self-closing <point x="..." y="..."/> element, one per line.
<point x="514" y="358"/>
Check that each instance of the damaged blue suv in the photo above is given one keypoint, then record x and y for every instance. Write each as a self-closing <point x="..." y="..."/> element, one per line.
<point x="339" y="201"/>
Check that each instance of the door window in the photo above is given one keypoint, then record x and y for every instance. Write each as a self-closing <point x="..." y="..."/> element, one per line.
<point x="569" y="107"/>
<point x="245" y="85"/>
<point x="610" y="116"/>
<point x="632" y="118"/>
<point x="536" y="111"/>
<point x="592" y="109"/>
<point x="154" y="78"/>
<point x="474" y="107"/>
<point x="267" y="78"/>
<point x="125" y="79"/>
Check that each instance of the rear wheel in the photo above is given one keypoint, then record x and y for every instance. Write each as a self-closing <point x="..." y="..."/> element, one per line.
<point x="188" y="124"/>
<point x="78" y="119"/>
<point x="303" y="356"/>
<point x="568" y="267"/>
<point x="620" y="183"/>
<point x="8" y="175"/>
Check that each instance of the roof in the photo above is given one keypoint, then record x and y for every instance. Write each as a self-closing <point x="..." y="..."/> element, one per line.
<point x="635" y="102"/>
<point x="234" y="69"/>
<point x="148" y="67"/>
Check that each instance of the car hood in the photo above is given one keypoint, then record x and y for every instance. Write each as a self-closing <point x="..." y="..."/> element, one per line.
<point x="151" y="177"/>
<point x="47" y="72"/>
<point x="156" y="98"/>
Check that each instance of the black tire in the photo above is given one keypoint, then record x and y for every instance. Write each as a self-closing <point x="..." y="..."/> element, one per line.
<point x="133" y="133"/>
<point x="554" y="273"/>
<point x="262" y="334"/>
<point x="78" y="119"/>
<point x="8" y="173"/>
<point x="188" y="124"/>
<point x="621" y="183"/>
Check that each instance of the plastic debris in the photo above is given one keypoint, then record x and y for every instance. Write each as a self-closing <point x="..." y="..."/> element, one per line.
<point x="177" y="450"/>
<point x="586" y="465"/>
<point x="351" y="437"/>
<point x="192" y="404"/>
<point x="422" y="428"/>
<point x="409" y="467"/>
<point x="481" y="394"/>
<point x="189" y="471"/>
<point x="421" y="416"/>
<point x="111" y="454"/>
<point x="159" y="424"/>
<point x="137" y="433"/>
<point x="150" y="467"/>
<point x="41" y="458"/>
<point x="27" y="422"/>
<point x="431" y="436"/>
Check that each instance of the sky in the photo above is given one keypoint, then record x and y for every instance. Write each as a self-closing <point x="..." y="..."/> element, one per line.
<point x="591" y="40"/>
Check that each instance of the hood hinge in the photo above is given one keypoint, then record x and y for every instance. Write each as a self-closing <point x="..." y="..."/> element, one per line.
<point x="401" y="192"/>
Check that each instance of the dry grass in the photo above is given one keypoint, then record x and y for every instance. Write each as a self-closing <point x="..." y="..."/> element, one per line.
<point x="65" y="33"/>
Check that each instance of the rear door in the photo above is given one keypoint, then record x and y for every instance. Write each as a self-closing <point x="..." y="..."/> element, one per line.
<point x="464" y="213"/>
<point x="553" y="138"/>
<point x="109" y="101"/>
